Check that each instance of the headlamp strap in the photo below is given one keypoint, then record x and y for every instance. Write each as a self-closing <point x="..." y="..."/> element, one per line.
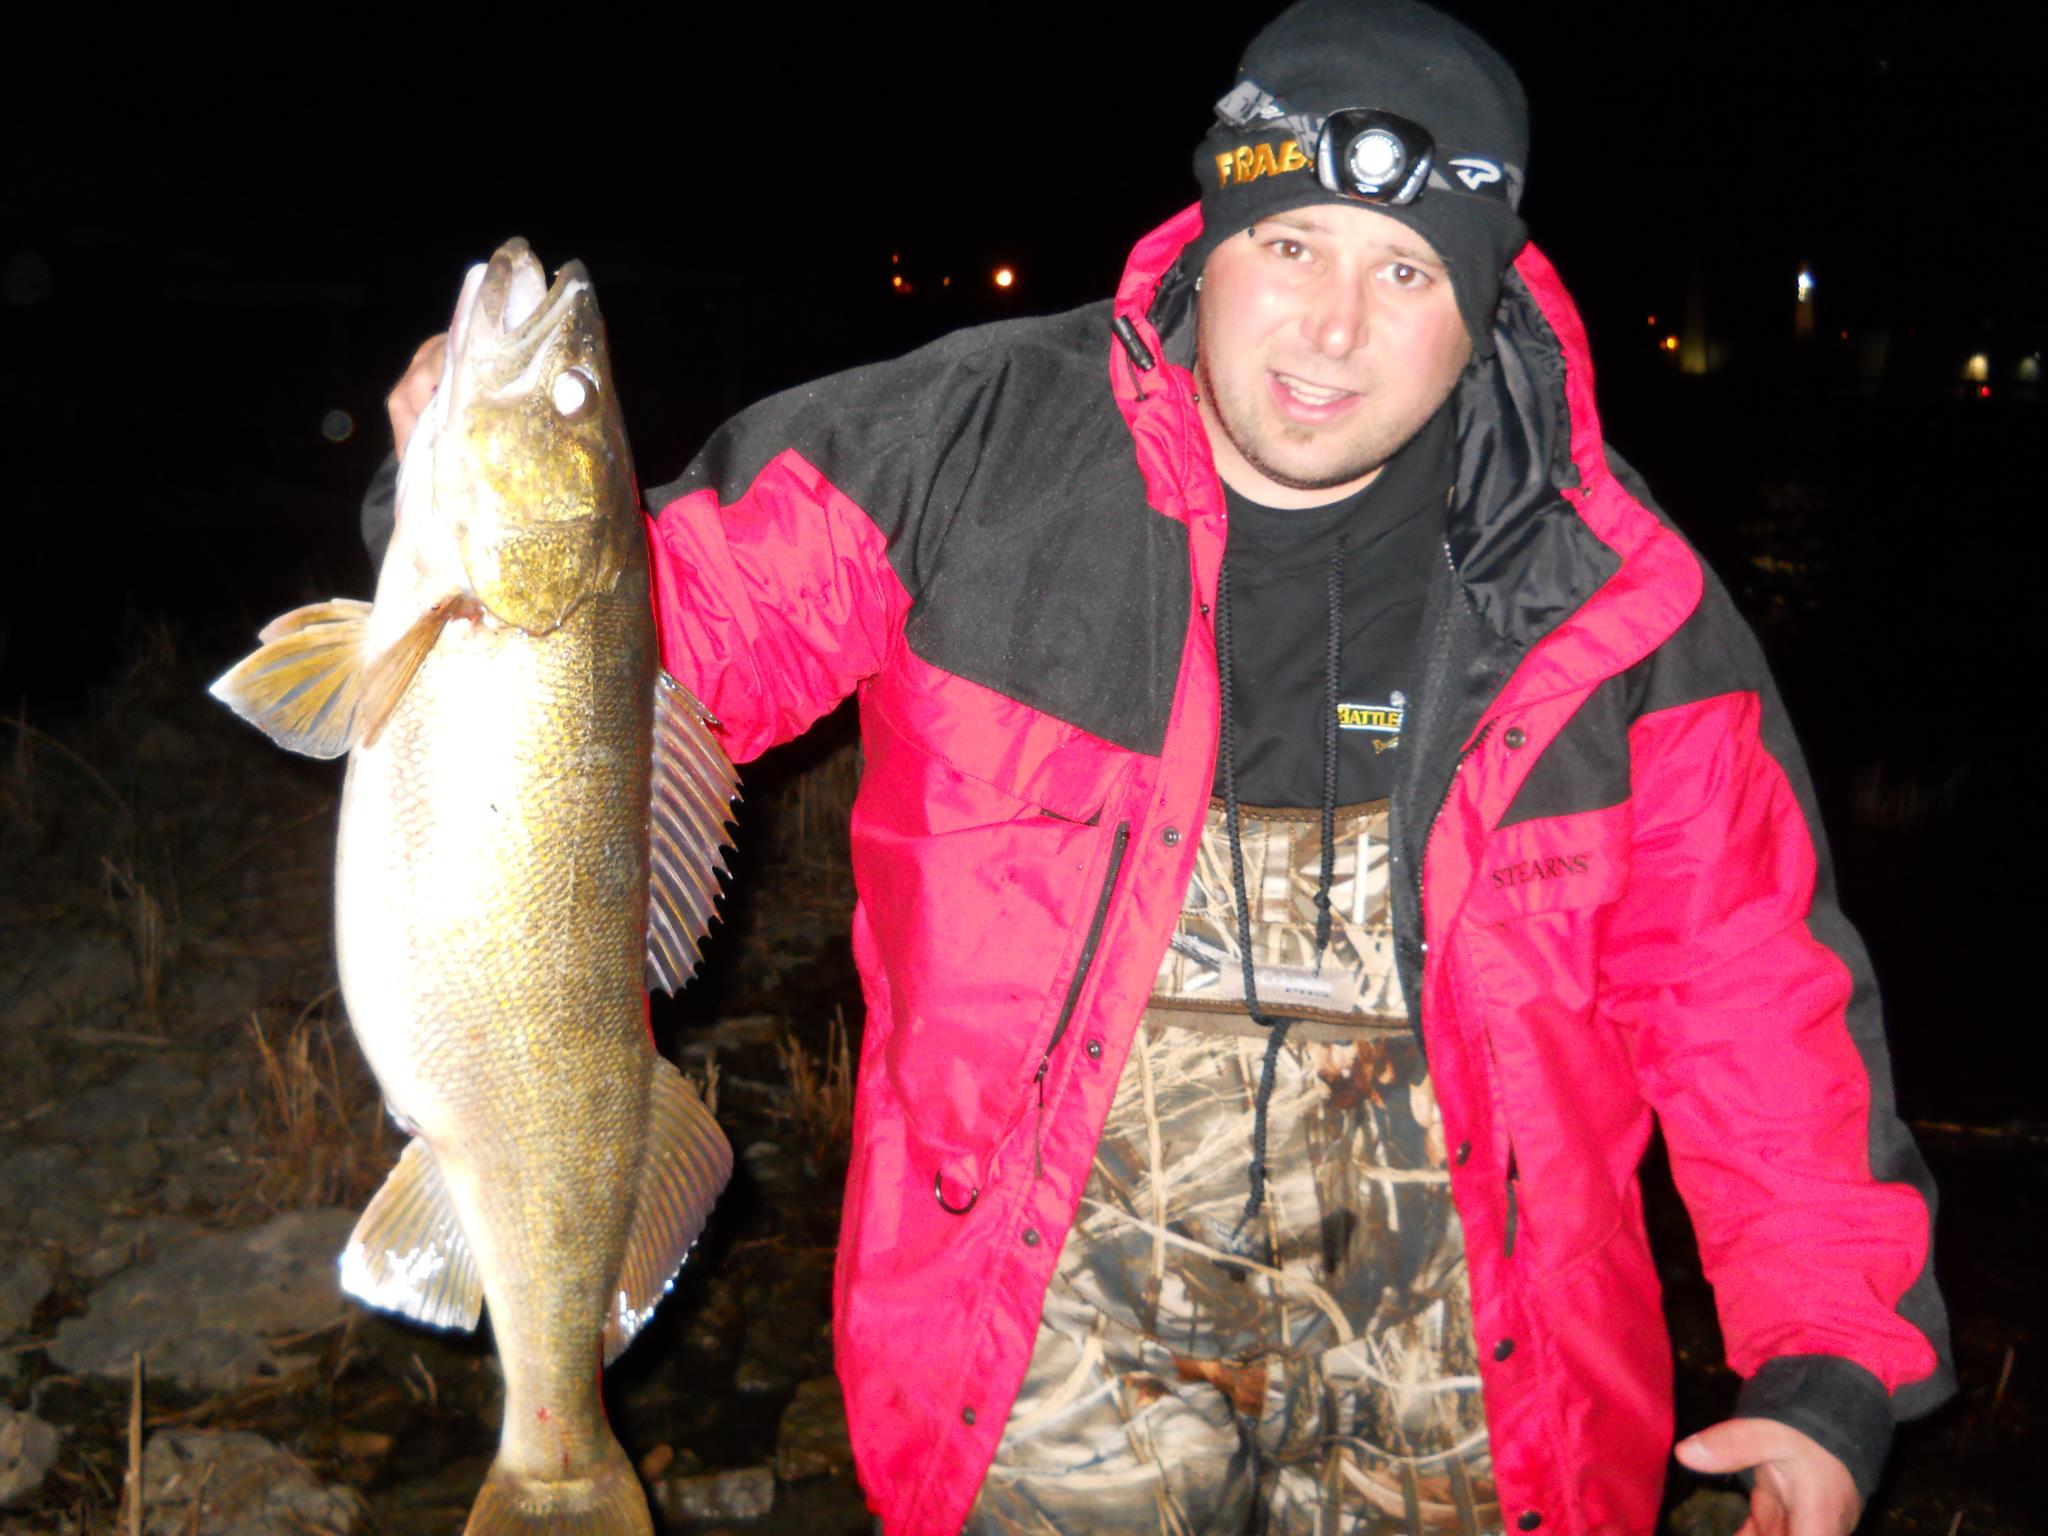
<point x="1250" y="105"/>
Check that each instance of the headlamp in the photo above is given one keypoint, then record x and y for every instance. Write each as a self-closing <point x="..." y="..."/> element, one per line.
<point x="1370" y="156"/>
<point x="1375" y="157"/>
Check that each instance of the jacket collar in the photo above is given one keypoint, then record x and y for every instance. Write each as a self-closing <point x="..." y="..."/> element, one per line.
<point x="1542" y="539"/>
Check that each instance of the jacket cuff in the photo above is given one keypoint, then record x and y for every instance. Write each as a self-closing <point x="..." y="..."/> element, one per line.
<point x="1842" y="1406"/>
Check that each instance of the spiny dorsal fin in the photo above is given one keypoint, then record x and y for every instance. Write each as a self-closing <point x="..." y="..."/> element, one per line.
<point x="688" y="1161"/>
<point x="408" y="1253"/>
<point x="303" y="687"/>
<point x="693" y="790"/>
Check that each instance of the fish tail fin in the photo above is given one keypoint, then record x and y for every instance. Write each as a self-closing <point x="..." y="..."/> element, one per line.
<point x="607" y="1502"/>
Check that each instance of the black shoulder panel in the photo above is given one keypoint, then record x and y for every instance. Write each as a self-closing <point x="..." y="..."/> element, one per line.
<point x="1585" y="767"/>
<point x="997" y="467"/>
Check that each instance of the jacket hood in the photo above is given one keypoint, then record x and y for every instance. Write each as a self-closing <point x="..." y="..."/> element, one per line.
<point x="1537" y="525"/>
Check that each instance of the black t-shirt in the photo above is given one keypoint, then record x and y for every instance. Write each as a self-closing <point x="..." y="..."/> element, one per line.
<point x="1279" y="565"/>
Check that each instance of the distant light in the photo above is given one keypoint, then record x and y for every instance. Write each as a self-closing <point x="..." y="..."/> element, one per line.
<point x="945" y="282"/>
<point x="1669" y="343"/>
<point x="1005" y="277"/>
<point x="896" y="281"/>
<point x="1983" y="391"/>
<point x="1978" y="368"/>
<point x="2029" y="369"/>
<point x="1845" y="335"/>
<point x="1806" y="285"/>
<point x="895" y="258"/>
<point x="1653" y="319"/>
<point x="337" y="426"/>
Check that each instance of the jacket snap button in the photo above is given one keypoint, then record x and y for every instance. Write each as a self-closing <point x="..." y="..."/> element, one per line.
<point x="1464" y="1152"/>
<point x="1515" y="738"/>
<point x="1031" y="1237"/>
<point x="1530" y="1520"/>
<point x="1170" y="836"/>
<point x="1094" y="1049"/>
<point x="967" y="1417"/>
<point x="1503" y="1349"/>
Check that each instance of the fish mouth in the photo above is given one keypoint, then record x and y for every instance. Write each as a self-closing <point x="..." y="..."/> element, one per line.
<point x="506" y="314"/>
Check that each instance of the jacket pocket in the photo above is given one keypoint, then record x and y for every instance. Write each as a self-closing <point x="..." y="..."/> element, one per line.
<point x="1555" y="864"/>
<point x="1036" y="761"/>
<point x="987" y="836"/>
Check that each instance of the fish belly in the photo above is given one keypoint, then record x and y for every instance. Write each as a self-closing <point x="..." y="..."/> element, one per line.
<point x="491" y="907"/>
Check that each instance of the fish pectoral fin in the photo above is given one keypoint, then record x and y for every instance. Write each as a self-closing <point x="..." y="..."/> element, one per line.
<point x="694" y="786"/>
<point x="303" y="687"/>
<point x="388" y="677"/>
<point x="688" y="1161"/>
<point x="408" y="1254"/>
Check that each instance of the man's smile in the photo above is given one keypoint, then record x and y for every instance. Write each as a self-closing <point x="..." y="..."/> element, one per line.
<point x="1308" y="403"/>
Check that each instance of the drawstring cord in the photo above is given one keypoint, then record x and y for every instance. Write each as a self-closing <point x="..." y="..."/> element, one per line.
<point x="1276" y="1029"/>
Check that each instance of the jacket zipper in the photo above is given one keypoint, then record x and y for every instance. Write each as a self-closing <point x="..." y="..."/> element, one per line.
<point x="1117" y="845"/>
<point x="1514" y="1214"/>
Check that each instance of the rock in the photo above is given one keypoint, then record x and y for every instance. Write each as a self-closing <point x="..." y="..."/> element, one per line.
<point x="55" y="1193"/>
<point x="26" y="1277"/>
<point x="769" y="1166"/>
<point x="164" y="1079"/>
<point x="733" y="1034"/>
<point x="199" y="1482"/>
<point x="1710" y="1512"/>
<point x="759" y="1372"/>
<point x="77" y="976"/>
<point x="811" y="1440"/>
<point x="200" y="1312"/>
<point x="133" y="1240"/>
<point x="230" y="992"/>
<point x="28" y="1449"/>
<point x="106" y="1116"/>
<point x="746" y="1493"/>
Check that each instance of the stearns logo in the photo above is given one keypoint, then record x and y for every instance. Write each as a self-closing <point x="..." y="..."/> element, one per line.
<point x="1561" y="866"/>
<point x="1248" y="162"/>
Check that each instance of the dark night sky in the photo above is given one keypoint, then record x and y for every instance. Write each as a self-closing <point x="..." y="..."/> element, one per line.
<point x="198" y="260"/>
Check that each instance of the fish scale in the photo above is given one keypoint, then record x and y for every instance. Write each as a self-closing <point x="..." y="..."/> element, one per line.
<point x="499" y="912"/>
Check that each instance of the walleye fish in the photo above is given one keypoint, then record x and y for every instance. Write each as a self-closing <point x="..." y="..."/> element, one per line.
<point x="531" y="827"/>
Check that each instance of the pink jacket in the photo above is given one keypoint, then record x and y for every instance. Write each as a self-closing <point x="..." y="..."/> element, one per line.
<point x="1609" y="898"/>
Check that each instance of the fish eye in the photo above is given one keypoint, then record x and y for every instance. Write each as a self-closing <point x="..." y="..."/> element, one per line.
<point x="573" y="392"/>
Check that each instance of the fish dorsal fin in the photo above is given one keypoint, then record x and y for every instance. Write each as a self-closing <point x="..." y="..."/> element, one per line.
<point x="693" y="790"/>
<point x="688" y="1161"/>
<point x="408" y="1254"/>
<point x="303" y="687"/>
<point x="311" y="686"/>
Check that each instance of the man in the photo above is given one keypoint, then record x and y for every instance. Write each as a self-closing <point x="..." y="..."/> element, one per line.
<point x="1274" y="959"/>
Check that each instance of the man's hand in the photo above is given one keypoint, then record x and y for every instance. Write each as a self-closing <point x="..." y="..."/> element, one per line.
<point x="408" y="400"/>
<point x="1801" y="1489"/>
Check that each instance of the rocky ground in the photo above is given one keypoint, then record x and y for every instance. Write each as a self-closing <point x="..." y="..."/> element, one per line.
<point x="186" y="1134"/>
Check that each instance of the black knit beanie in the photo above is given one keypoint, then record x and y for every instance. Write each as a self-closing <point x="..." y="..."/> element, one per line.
<point x="1389" y="56"/>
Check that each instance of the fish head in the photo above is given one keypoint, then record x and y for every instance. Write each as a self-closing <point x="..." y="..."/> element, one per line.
<point x="531" y="472"/>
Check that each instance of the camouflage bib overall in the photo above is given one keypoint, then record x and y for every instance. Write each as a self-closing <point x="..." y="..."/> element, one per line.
<point x="1318" y="1375"/>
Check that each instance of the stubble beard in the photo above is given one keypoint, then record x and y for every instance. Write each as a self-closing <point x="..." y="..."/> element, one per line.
<point x="1239" y="421"/>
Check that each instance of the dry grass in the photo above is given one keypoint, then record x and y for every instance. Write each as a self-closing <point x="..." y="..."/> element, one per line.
<point x="24" y="783"/>
<point x="149" y="929"/>
<point x="706" y="1087"/>
<point x="823" y="799"/>
<point x="819" y="1108"/>
<point x="156" y="662"/>
<point x="319" y="1131"/>
<point x="20" y="797"/>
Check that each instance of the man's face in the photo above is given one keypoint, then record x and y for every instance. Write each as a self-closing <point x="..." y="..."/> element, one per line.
<point x="1328" y="336"/>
